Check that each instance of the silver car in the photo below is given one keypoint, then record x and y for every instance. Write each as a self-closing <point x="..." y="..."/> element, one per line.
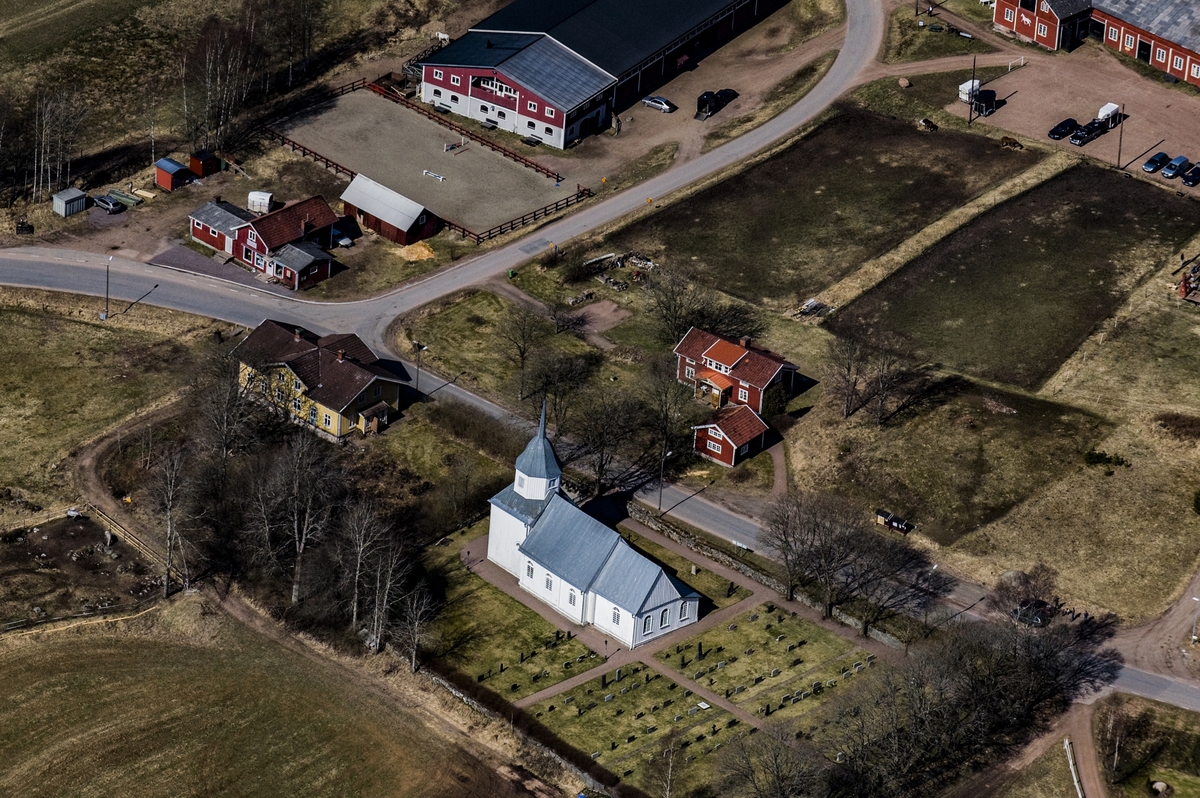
<point x="658" y="104"/>
<point x="109" y="204"/>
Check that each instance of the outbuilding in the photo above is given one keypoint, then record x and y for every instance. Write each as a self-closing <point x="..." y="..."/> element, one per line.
<point x="733" y="435"/>
<point x="170" y="174"/>
<point x="69" y="202"/>
<point x="204" y="163"/>
<point x="394" y="216"/>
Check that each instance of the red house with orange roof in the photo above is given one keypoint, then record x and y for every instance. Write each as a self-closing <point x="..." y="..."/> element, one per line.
<point x="723" y="371"/>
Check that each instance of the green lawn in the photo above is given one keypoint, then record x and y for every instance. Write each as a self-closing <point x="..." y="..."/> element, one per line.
<point x="626" y="729"/>
<point x="190" y="703"/>
<point x="712" y="587"/>
<point x="753" y="477"/>
<point x="909" y="38"/>
<point x="752" y="651"/>
<point x="927" y="95"/>
<point x="482" y="628"/>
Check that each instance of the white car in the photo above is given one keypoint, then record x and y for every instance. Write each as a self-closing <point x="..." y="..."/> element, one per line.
<point x="658" y="104"/>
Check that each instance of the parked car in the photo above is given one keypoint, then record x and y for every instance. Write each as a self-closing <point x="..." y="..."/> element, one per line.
<point x="1157" y="161"/>
<point x="1176" y="167"/>
<point x="726" y="96"/>
<point x="1192" y="177"/>
<point x="109" y="204"/>
<point x="658" y="104"/>
<point x="1063" y="129"/>
<point x="1088" y="132"/>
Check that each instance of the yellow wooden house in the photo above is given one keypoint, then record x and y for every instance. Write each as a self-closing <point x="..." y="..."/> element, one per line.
<point x="332" y="384"/>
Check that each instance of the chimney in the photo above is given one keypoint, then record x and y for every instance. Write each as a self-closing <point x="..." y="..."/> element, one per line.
<point x="296" y="336"/>
<point x="745" y="341"/>
<point x="341" y="355"/>
<point x="216" y="197"/>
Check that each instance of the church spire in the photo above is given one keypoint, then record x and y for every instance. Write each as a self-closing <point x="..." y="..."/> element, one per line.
<point x="538" y="472"/>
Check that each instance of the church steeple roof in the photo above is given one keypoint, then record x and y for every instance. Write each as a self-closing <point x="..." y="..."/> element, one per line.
<point x="538" y="460"/>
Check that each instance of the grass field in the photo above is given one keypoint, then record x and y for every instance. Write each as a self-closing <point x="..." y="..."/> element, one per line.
<point x="909" y="41"/>
<point x="782" y="96"/>
<point x="190" y="703"/>
<point x="968" y="9"/>
<point x="1048" y="776"/>
<point x="712" y="587"/>
<point x="927" y="96"/>
<point x="1168" y="740"/>
<point x="786" y="228"/>
<point x="66" y="377"/>
<point x="1012" y="295"/>
<point x="628" y="728"/>
<point x="955" y="461"/>
<point x="481" y="627"/>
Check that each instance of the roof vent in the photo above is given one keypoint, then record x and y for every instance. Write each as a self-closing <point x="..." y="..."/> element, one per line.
<point x="489" y="44"/>
<point x="341" y="355"/>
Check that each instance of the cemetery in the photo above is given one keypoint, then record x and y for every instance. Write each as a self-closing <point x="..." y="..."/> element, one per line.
<point x="769" y="661"/>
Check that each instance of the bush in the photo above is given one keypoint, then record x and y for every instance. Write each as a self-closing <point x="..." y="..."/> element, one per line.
<point x="577" y="272"/>
<point x="469" y="425"/>
<point x="1093" y="457"/>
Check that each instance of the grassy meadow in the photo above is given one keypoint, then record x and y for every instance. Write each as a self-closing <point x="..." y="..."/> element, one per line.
<point x="909" y="41"/>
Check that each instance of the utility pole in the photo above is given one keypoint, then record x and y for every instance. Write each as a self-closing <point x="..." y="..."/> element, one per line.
<point x="973" y="93"/>
<point x="107" y="266"/>
<point x="1120" y="140"/>
<point x="418" y="348"/>
<point x="662" y="469"/>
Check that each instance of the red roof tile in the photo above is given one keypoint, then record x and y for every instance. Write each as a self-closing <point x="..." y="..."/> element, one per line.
<point x="727" y="353"/>
<point x="739" y="424"/>
<point x="750" y="365"/>
<point x="715" y="377"/>
<point x="694" y="343"/>
<point x="293" y="222"/>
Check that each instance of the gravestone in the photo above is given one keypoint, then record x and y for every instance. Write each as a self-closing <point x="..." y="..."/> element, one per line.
<point x="796" y="662"/>
<point x="640" y="715"/>
<point x="804" y="694"/>
<point x="619" y="713"/>
<point x="591" y="705"/>
<point x="678" y="718"/>
<point x="595" y="754"/>
<point x="651" y="729"/>
<point x="697" y="675"/>
<point x="687" y="693"/>
<point x="635" y="685"/>
<point x="749" y="651"/>
<point x="831" y="683"/>
<point x="624" y="690"/>
<point x="567" y="664"/>
<point x="795" y="699"/>
<point x="720" y="664"/>
<point x="757" y="679"/>
<point x="732" y="627"/>
<point x="791" y="647"/>
<point x="858" y="666"/>
<point x="779" y="638"/>
<point x="618" y="674"/>
<point x="692" y="711"/>
<point x="753" y="618"/>
<point x="740" y="688"/>
<point x="630" y="738"/>
<point x="568" y="699"/>
<point x="608" y="698"/>
<point x="775" y="671"/>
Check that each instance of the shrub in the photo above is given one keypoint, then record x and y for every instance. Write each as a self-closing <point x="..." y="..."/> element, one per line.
<point x="468" y="424"/>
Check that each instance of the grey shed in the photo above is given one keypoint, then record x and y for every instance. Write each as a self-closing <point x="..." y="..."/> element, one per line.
<point x="70" y="201"/>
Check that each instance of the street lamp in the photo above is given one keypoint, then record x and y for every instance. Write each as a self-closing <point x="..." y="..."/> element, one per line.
<point x="1194" y="621"/>
<point x="418" y="348"/>
<point x="662" y="470"/>
<point x="107" y="266"/>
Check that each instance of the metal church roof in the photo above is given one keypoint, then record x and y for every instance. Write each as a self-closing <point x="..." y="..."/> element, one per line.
<point x="538" y="460"/>
<point x="634" y="583"/>
<point x="383" y="203"/>
<point x="569" y="543"/>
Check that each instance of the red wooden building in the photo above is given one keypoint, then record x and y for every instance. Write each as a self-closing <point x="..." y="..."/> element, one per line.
<point x="287" y="243"/>
<point x="733" y="435"/>
<point x="203" y="163"/>
<point x="215" y="223"/>
<point x="723" y="371"/>
<point x="170" y="174"/>
<point x="1054" y="24"/>
<point x="394" y="216"/>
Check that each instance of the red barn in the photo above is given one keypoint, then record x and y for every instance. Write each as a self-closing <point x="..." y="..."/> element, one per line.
<point x="1054" y="24"/>
<point x="170" y="174"/>
<point x="204" y="163"/>
<point x="733" y="435"/>
<point x="287" y="243"/>
<point x="215" y="224"/>
<point x="394" y="216"/>
<point x="723" y="371"/>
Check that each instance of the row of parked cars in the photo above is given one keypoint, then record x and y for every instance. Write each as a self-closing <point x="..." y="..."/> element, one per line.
<point x="1171" y="168"/>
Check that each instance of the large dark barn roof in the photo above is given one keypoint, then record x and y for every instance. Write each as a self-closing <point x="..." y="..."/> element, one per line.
<point x="1175" y="20"/>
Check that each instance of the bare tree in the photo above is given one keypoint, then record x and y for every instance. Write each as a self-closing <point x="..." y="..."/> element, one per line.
<point x="608" y="421"/>
<point x="558" y="378"/>
<point x="666" y="766"/>
<point x="679" y="305"/>
<point x="568" y="320"/>
<point x="782" y="537"/>
<point x="816" y="535"/>
<point x="388" y="571"/>
<point x="364" y="534"/>
<point x="308" y="483"/>
<point x="847" y="363"/>
<point x="417" y="613"/>
<point x="58" y="117"/>
<point x="893" y="578"/>
<point x="884" y="373"/>
<point x="771" y="763"/>
<point x="521" y="330"/>
<point x="667" y="402"/>
<point x="1015" y="589"/>
<point x="168" y="488"/>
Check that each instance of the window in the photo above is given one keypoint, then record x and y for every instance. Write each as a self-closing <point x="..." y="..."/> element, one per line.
<point x="1112" y="34"/>
<point x="1045" y="6"/>
<point x="1160" y="54"/>
<point x="378" y="391"/>
<point x="714" y="446"/>
<point x="278" y="395"/>
<point x="549" y="582"/>
<point x="532" y="106"/>
<point x="520" y="481"/>
<point x="437" y="74"/>
<point x="312" y="415"/>
<point x="549" y="113"/>
<point x="1009" y="15"/>
<point x="1177" y="63"/>
<point x="296" y="385"/>
<point x="664" y="618"/>
<point x="483" y="109"/>
<point x="421" y="219"/>
<point x="247" y="254"/>
<point x="259" y="261"/>
<point x="197" y="223"/>
<point x="502" y="115"/>
<point x="529" y="570"/>
<point x="296" y="405"/>
<point x="252" y="238"/>
<point x="530" y="125"/>
<point x="437" y="92"/>
<point x="743" y="395"/>
<point x="571" y="598"/>
<point x="1128" y="42"/>
<point x="328" y="420"/>
<point x="553" y="484"/>
<point x="716" y="433"/>
<point x="683" y="611"/>
<point x="647" y="625"/>
<point x="549" y="131"/>
<point x="1196" y="70"/>
<point x="689" y="372"/>
<point x="616" y="617"/>
<point x="454" y="98"/>
<point x="1041" y="29"/>
<point x="455" y="80"/>
<point x="744" y="449"/>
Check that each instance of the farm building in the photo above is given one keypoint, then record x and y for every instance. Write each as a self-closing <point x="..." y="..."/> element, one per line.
<point x="557" y="71"/>
<point x="69" y="202"/>
<point x="170" y="174"/>
<point x="392" y="215"/>
<point x="722" y="371"/>
<point x="204" y="163"/>
<point x="215" y="223"/>
<point x="1163" y="33"/>
<point x="333" y="384"/>
<point x="286" y="244"/>
<point x="577" y="565"/>
<point x="734" y="434"/>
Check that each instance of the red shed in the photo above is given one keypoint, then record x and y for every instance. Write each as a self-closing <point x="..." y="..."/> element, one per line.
<point x="733" y="435"/>
<point x="204" y="163"/>
<point x="170" y="174"/>
<point x="394" y="216"/>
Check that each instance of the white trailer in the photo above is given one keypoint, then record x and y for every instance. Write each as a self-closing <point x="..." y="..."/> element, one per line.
<point x="968" y="90"/>
<point x="1110" y="115"/>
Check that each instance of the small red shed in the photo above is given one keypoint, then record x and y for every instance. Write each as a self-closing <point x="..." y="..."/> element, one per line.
<point x="170" y="174"/>
<point x="733" y="435"/>
<point x="204" y="163"/>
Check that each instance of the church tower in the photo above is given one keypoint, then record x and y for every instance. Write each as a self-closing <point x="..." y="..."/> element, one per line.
<point x="538" y="472"/>
<point x="516" y="508"/>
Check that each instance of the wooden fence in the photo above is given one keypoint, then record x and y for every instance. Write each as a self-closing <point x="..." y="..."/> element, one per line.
<point x="275" y="135"/>
<point x="429" y="113"/>
<point x="25" y="623"/>
<point x="121" y="533"/>
<point x="581" y="193"/>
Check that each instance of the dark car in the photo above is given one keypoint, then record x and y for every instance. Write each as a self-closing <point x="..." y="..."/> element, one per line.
<point x="1063" y="129"/>
<point x="109" y="204"/>
<point x="1176" y="167"/>
<point x="1157" y="161"/>
<point x="1192" y="177"/>
<point x="1088" y="132"/>
<point x="726" y="96"/>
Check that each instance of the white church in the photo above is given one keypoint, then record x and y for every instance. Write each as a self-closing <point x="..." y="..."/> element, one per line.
<point x="580" y="567"/>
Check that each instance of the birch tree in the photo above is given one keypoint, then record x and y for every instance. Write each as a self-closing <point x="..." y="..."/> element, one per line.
<point x="364" y="536"/>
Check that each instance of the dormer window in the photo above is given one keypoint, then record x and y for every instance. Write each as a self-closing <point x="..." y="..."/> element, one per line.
<point x="553" y="484"/>
<point x="520" y="481"/>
